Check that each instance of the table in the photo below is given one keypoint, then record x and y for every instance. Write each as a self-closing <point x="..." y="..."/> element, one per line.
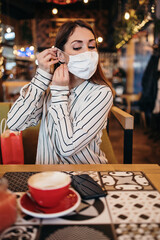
<point x="151" y="170"/>
<point x="11" y="86"/>
<point x="131" y="209"/>
<point x="129" y="99"/>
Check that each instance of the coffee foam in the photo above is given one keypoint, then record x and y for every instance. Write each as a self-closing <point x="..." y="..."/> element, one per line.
<point x="49" y="180"/>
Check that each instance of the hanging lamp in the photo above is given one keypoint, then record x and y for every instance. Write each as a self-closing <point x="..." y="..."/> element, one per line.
<point x="62" y="2"/>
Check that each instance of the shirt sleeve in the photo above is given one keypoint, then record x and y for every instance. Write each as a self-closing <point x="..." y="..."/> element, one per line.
<point x="72" y="135"/>
<point x="27" y="110"/>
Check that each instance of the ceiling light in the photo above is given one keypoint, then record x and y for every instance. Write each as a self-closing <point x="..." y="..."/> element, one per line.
<point x="8" y="30"/>
<point x="100" y="39"/>
<point x="62" y="2"/>
<point x="127" y="15"/>
<point x="54" y="11"/>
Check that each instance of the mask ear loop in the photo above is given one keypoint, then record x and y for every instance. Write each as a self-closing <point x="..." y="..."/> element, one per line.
<point x="58" y="53"/>
<point x="62" y="56"/>
<point x="66" y="59"/>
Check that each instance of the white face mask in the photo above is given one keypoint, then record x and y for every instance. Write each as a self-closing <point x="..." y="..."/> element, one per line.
<point x="83" y="65"/>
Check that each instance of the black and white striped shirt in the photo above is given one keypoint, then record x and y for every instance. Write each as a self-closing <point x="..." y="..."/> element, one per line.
<point x="71" y="121"/>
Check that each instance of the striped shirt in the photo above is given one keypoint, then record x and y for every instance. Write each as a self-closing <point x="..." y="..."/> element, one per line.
<point x="71" y="120"/>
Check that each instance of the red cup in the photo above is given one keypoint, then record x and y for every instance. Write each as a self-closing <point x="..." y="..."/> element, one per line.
<point x="8" y="208"/>
<point x="48" y="188"/>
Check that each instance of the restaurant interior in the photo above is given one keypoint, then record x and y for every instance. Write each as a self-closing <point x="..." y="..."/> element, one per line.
<point x="128" y="41"/>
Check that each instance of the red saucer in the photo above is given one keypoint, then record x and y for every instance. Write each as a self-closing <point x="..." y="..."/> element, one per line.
<point x="68" y="204"/>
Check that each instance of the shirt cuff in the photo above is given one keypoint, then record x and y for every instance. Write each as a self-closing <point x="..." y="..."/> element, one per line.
<point x="59" y="94"/>
<point x="42" y="79"/>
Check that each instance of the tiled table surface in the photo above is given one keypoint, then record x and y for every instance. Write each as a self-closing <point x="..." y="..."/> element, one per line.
<point x="131" y="210"/>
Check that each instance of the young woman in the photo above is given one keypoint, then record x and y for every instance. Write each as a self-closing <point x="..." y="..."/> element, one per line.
<point x="72" y="103"/>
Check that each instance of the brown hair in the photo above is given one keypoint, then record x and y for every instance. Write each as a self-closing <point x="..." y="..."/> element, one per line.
<point x="65" y="31"/>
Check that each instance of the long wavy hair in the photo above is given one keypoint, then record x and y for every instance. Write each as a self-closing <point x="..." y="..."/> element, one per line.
<point x="65" y="31"/>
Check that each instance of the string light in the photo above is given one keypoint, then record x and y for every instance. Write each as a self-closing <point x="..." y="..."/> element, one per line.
<point x="136" y="29"/>
<point x="141" y="25"/>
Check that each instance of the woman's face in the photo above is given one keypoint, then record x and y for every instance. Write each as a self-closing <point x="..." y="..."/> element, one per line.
<point x="81" y="40"/>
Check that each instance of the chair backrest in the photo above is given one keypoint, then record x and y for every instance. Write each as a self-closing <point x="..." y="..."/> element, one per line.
<point x="30" y="141"/>
<point x="4" y="109"/>
<point x="106" y="147"/>
<point x="126" y="122"/>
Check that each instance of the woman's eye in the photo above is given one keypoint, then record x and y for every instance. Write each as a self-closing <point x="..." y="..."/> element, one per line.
<point x="92" y="47"/>
<point x="77" y="48"/>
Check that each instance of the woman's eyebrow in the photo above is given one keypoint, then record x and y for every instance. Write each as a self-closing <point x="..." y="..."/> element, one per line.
<point x="92" y="40"/>
<point x="80" y="41"/>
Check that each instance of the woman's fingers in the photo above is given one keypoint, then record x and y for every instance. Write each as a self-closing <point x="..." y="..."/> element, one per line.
<point x="63" y="71"/>
<point x="47" y="58"/>
<point x="61" y="76"/>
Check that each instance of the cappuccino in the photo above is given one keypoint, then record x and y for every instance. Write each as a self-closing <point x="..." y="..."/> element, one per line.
<point x="49" y="180"/>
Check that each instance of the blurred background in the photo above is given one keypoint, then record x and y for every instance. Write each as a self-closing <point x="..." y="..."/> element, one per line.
<point x="128" y="38"/>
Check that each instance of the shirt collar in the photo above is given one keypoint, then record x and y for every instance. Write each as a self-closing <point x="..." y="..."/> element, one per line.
<point x="79" y="88"/>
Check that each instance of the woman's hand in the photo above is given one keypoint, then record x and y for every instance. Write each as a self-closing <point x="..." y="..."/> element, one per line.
<point x="61" y="76"/>
<point x="47" y="58"/>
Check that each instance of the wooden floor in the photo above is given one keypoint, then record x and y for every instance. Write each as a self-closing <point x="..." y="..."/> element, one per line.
<point x="146" y="145"/>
